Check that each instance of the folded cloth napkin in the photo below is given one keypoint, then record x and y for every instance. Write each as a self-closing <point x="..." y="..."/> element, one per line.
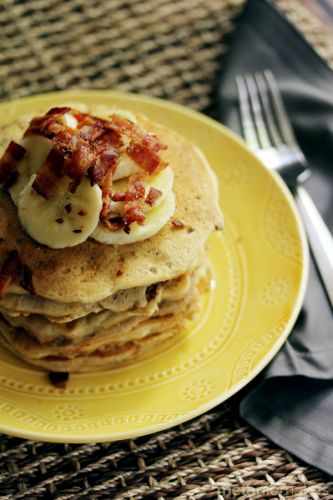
<point x="291" y="402"/>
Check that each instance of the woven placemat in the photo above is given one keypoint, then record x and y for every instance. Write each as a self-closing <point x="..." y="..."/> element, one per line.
<point x="170" y="49"/>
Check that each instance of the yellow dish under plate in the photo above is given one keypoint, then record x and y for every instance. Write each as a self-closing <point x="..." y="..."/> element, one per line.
<point x="260" y="264"/>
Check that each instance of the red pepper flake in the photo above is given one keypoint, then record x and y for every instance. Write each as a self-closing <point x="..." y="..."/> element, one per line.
<point x="68" y="208"/>
<point x="60" y="220"/>
<point x="59" y="379"/>
<point x="77" y="231"/>
<point x="152" y="196"/>
<point x="119" y="272"/>
<point x="177" y="224"/>
<point x="82" y="212"/>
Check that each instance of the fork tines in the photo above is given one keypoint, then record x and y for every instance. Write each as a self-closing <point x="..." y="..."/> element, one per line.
<point x="263" y="116"/>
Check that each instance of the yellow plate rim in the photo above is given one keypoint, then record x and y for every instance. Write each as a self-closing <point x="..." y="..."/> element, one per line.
<point x="80" y="94"/>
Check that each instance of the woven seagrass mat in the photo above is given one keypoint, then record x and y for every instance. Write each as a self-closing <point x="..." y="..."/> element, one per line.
<point x="170" y="49"/>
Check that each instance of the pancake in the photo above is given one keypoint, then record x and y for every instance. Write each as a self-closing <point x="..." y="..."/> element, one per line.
<point x="98" y="306"/>
<point x="89" y="272"/>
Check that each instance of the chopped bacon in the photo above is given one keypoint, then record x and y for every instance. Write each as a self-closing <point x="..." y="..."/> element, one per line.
<point x="81" y="161"/>
<point x="58" y="111"/>
<point x="133" y="214"/>
<point x="146" y="158"/>
<point x="8" y="163"/>
<point x="120" y="196"/>
<point x="106" y="161"/>
<point x="10" y="271"/>
<point x="111" y="138"/>
<point x="92" y="150"/>
<point x="65" y="142"/>
<point x="114" y="223"/>
<point x="143" y="147"/>
<point x="152" y="196"/>
<point x="47" y="181"/>
<point x="13" y="269"/>
<point x="26" y="281"/>
<point x="47" y="125"/>
<point x="59" y="379"/>
<point x="177" y="224"/>
<point x="136" y="188"/>
<point x="123" y="126"/>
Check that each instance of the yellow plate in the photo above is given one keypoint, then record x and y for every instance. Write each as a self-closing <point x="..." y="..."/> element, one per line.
<point x="260" y="265"/>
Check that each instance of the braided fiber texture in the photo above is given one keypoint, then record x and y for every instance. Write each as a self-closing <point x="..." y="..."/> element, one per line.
<point x="213" y="457"/>
<point x="170" y="49"/>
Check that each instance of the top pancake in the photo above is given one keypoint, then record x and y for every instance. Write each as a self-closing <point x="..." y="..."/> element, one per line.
<point x="89" y="272"/>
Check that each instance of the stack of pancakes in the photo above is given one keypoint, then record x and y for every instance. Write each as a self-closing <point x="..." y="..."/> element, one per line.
<point x="99" y="305"/>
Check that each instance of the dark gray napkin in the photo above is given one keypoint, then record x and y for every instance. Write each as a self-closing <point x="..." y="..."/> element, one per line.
<point x="292" y="401"/>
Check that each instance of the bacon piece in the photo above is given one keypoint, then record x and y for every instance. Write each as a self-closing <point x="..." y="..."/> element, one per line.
<point x="10" y="271"/>
<point x="47" y="124"/>
<point x="8" y="163"/>
<point x="47" y="180"/>
<point x="123" y="126"/>
<point x="82" y="159"/>
<point x="26" y="281"/>
<point x="59" y="379"/>
<point x="145" y="157"/>
<point x="65" y="141"/>
<point x="110" y="138"/>
<point x="114" y="223"/>
<point x="152" y="196"/>
<point x="177" y="224"/>
<point x="143" y="147"/>
<point x="106" y="162"/>
<point x="136" y="188"/>
<point x="120" y="196"/>
<point x="58" y="111"/>
<point x="133" y="214"/>
<point x="13" y="269"/>
<point x="106" y="196"/>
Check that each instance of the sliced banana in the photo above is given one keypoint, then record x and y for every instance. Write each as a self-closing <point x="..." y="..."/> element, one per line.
<point x="65" y="219"/>
<point x="125" y="168"/>
<point x="38" y="148"/>
<point x="163" y="181"/>
<point x="68" y="120"/>
<point x="154" y="221"/>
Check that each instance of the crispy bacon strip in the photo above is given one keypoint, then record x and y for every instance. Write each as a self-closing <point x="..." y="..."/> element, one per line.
<point x="47" y="124"/>
<point x="47" y="180"/>
<point x="10" y="271"/>
<point x="9" y="161"/>
<point x="82" y="159"/>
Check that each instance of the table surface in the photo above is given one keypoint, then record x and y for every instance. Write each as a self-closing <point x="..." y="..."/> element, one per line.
<point x="56" y="45"/>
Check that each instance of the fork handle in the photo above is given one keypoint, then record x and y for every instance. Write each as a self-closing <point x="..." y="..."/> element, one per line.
<point x="320" y="238"/>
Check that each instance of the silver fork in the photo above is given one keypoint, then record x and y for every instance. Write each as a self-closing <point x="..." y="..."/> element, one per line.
<point x="268" y="133"/>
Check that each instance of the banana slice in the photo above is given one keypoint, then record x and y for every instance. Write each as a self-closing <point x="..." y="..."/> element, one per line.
<point x="38" y="148"/>
<point x="125" y="168"/>
<point x="69" y="120"/>
<point x="163" y="181"/>
<point x="155" y="220"/>
<point x="65" y="219"/>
